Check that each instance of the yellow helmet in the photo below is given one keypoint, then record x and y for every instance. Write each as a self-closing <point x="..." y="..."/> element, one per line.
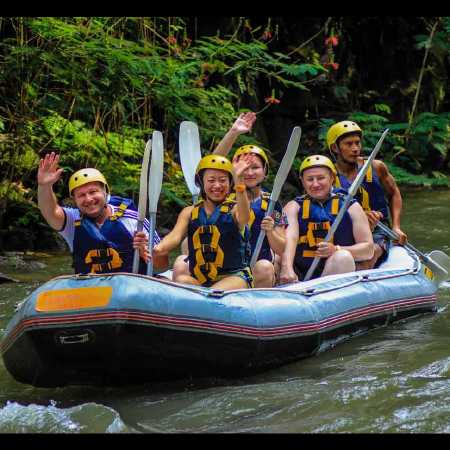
<point x="215" y="162"/>
<point x="339" y="129"/>
<point x="252" y="149"/>
<point x="317" y="161"/>
<point x="85" y="176"/>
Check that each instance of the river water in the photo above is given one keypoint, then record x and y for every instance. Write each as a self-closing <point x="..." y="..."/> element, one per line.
<point x="392" y="380"/>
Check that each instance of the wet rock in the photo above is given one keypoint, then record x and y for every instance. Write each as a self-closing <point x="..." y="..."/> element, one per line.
<point x="21" y="261"/>
<point x="6" y="279"/>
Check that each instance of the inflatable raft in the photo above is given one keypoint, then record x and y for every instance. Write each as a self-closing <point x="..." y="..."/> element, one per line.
<point x="124" y="329"/>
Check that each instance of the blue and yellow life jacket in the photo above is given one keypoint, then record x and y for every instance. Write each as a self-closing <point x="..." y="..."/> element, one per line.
<point x="258" y="210"/>
<point x="315" y="219"/>
<point x="105" y="249"/>
<point x="216" y="245"/>
<point x="370" y="194"/>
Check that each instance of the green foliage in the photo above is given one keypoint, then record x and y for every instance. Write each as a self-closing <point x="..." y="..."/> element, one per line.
<point x="382" y="108"/>
<point x="414" y="147"/>
<point x="403" y="177"/>
<point x="94" y="88"/>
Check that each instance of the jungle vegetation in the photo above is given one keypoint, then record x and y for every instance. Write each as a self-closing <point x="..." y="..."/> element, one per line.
<point x="93" y="89"/>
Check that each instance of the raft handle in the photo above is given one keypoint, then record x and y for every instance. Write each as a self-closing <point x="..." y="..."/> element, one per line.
<point x="82" y="276"/>
<point x="78" y="337"/>
<point x="216" y="293"/>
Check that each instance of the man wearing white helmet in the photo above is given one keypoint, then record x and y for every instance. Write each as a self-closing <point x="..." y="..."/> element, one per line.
<point x="378" y="194"/>
<point x="101" y="230"/>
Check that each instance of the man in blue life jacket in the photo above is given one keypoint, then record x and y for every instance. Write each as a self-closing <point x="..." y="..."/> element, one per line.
<point x="309" y="219"/>
<point x="378" y="194"/>
<point x="101" y="230"/>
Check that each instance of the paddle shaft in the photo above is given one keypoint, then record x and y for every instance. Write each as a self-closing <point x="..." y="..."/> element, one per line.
<point x="351" y="193"/>
<point x="155" y="183"/>
<point x="151" y="237"/>
<point x="426" y="259"/>
<point x="278" y="183"/>
<point x="142" y="205"/>
<point x="262" y="235"/>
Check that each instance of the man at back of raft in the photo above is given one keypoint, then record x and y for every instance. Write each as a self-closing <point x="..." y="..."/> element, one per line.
<point x="101" y="230"/>
<point x="344" y="143"/>
<point x="312" y="215"/>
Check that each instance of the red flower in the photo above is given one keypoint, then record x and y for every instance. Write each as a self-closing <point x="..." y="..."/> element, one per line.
<point x="266" y="35"/>
<point x="333" y="65"/>
<point x="272" y="100"/>
<point x="332" y="41"/>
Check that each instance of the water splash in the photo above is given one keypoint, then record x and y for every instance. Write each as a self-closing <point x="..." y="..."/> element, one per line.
<point x="85" y="418"/>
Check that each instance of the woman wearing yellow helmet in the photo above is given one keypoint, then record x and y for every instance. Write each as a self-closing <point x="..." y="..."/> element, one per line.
<point x="344" y="142"/>
<point x="311" y="216"/>
<point x="215" y="228"/>
<point x="264" y="271"/>
<point x="101" y="230"/>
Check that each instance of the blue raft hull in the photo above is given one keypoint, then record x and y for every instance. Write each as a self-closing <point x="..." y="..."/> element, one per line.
<point x="123" y="329"/>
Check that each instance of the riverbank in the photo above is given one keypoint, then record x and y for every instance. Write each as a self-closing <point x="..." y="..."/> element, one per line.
<point x="26" y="266"/>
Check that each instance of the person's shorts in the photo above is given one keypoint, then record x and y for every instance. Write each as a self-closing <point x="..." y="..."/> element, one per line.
<point x="384" y="242"/>
<point x="301" y="272"/>
<point x="245" y="274"/>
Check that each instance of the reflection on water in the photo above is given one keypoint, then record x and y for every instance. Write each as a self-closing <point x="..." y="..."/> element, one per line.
<point x="395" y="379"/>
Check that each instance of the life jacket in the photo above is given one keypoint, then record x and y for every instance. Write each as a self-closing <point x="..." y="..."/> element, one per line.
<point x="258" y="211"/>
<point x="105" y="249"/>
<point x="216" y="245"/>
<point x="315" y="219"/>
<point x="370" y="194"/>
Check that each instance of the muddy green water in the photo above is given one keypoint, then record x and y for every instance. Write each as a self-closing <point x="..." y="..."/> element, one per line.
<point x="392" y="380"/>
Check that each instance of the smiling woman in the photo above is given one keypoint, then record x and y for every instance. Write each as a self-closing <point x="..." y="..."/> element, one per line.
<point x="312" y="215"/>
<point x="215" y="227"/>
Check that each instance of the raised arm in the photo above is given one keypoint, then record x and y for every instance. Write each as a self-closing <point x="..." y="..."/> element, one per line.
<point x="243" y="124"/>
<point x="241" y="212"/>
<point x="48" y="175"/>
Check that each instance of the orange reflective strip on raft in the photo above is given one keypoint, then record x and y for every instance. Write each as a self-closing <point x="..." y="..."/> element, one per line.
<point x="69" y="299"/>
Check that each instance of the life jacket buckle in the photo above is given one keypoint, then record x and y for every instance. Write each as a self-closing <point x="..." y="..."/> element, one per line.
<point x="206" y="248"/>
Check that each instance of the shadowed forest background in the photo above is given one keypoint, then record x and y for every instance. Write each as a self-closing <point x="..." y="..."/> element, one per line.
<point x="94" y="88"/>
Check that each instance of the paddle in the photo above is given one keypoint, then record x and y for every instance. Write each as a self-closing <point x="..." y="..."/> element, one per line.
<point x="142" y="205"/>
<point x="154" y="182"/>
<point x="190" y="155"/>
<point x="351" y="193"/>
<point x="278" y="183"/>
<point x="437" y="261"/>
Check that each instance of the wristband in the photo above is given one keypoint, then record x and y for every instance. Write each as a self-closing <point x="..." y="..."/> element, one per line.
<point x="240" y="187"/>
